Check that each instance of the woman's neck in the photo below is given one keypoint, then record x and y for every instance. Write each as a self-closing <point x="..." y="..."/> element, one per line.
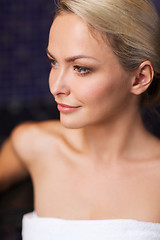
<point x="123" y="137"/>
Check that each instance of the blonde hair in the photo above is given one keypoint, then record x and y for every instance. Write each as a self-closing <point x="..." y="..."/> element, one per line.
<point x="132" y="28"/>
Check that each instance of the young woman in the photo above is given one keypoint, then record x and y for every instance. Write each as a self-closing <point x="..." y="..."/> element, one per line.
<point x="96" y="173"/>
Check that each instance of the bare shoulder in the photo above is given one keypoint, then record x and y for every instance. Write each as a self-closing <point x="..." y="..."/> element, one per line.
<point x="155" y="147"/>
<point x="153" y="151"/>
<point x="30" y="138"/>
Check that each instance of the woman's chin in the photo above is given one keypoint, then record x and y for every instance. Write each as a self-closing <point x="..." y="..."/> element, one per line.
<point x="67" y="122"/>
<point x="72" y="122"/>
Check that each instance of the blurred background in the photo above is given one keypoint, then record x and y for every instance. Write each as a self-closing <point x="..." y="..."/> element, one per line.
<point x="24" y="91"/>
<point x="24" y="69"/>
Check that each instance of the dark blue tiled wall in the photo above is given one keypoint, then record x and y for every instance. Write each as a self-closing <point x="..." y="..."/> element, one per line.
<point x="24" y="27"/>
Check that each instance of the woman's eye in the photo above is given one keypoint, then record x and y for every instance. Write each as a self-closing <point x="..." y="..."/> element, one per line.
<point x="53" y="62"/>
<point x="81" y="70"/>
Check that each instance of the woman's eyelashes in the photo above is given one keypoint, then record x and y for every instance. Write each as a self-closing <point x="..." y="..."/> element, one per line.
<point x="53" y="62"/>
<point x="81" y="70"/>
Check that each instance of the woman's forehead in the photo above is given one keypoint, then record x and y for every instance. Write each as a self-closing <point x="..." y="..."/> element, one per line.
<point x="69" y="33"/>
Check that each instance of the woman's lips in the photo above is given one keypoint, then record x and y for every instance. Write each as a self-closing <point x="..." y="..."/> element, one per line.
<point x="66" y="108"/>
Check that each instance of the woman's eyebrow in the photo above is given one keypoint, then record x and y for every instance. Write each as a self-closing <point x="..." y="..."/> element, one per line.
<point x="73" y="58"/>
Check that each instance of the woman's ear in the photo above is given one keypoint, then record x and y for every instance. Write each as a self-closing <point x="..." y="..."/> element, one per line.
<point x="142" y="78"/>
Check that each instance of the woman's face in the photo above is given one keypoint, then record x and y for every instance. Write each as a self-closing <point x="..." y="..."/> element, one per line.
<point x="86" y="79"/>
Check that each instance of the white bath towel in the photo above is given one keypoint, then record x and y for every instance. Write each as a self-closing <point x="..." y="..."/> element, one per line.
<point x="40" y="228"/>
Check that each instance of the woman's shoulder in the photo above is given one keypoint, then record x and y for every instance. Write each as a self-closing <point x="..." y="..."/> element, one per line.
<point x="31" y="130"/>
<point x="34" y="139"/>
<point x="30" y="138"/>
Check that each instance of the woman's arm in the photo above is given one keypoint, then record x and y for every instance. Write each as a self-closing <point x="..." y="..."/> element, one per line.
<point x="19" y="152"/>
<point x="12" y="168"/>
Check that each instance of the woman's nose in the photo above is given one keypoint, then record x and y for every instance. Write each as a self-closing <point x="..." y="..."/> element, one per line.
<point x="58" y="83"/>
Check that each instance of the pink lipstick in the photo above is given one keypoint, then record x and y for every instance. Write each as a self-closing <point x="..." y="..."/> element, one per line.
<point x="66" y="108"/>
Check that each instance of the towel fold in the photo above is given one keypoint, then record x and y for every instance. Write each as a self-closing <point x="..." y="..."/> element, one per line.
<point x="42" y="228"/>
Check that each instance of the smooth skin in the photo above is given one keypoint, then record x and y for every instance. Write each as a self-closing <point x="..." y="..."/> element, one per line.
<point x="98" y="162"/>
